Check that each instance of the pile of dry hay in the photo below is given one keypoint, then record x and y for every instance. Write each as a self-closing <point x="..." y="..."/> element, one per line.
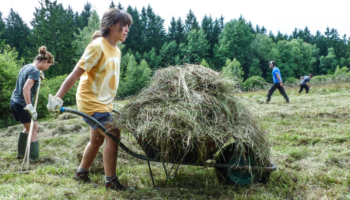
<point x="191" y="112"/>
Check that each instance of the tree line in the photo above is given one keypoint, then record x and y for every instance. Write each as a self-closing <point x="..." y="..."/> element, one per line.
<point x="216" y="43"/>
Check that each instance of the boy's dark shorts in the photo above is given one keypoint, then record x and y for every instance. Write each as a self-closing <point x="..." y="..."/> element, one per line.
<point x="103" y="118"/>
<point x="19" y="113"/>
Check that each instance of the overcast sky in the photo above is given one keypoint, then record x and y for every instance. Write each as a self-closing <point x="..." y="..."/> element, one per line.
<point x="275" y="15"/>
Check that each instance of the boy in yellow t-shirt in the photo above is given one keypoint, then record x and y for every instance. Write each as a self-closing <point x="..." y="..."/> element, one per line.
<point x="98" y="70"/>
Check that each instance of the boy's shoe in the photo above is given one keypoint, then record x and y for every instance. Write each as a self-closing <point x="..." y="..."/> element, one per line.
<point x="298" y="94"/>
<point x="82" y="177"/>
<point x="287" y="100"/>
<point x="114" y="184"/>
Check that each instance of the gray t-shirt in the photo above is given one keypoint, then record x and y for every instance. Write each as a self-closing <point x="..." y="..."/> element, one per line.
<point x="27" y="72"/>
<point x="305" y="80"/>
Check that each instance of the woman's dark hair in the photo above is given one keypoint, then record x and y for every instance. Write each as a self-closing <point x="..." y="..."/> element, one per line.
<point x="111" y="17"/>
<point x="44" y="55"/>
<point x="311" y="75"/>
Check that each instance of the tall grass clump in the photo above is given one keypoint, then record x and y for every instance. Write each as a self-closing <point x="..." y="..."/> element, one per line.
<point x="192" y="112"/>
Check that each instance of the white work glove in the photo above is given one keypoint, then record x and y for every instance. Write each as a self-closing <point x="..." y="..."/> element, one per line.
<point x="31" y="110"/>
<point x="310" y="88"/>
<point x="42" y="75"/>
<point x="54" y="105"/>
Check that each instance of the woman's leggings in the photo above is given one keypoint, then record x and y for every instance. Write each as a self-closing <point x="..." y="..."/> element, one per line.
<point x="302" y="87"/>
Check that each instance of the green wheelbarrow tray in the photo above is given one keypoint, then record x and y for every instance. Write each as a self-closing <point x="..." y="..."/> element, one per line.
<point x="231" y="173"/>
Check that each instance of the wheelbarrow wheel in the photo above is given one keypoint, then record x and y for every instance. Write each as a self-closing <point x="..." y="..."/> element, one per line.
<point x="233" y="177"/>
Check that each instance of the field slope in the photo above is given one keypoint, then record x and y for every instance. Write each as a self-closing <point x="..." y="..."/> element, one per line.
<point x="310" y="144"/>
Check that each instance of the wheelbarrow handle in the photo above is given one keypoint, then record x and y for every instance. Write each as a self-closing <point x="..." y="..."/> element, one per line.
<point x="116" y="140"/>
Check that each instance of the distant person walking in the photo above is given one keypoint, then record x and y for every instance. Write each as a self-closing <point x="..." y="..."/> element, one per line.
<point x="305" y="83"/>
<point x="23" y="97"/>
<point x="277" y="83"/>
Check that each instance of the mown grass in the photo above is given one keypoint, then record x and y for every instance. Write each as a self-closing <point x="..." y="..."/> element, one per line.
<point x="310" y="144"/>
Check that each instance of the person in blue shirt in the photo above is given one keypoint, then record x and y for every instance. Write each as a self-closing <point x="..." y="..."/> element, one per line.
<point x="277" y="83"/>
<point x="305" y="83"/>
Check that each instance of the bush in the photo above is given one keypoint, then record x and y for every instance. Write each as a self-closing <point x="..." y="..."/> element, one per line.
<point x="9" y="69"/>
<point x="137" y="77"/>
<point x="324" y="78"/>
<point x="342" y="71"/>
<point x="252" y="83"/>
<point x="51" y="86"/>
<point x="291" y="80"/>
<point x="205" y="64"/>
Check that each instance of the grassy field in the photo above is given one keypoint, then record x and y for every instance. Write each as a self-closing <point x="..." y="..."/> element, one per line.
<point x="310" y="144"/>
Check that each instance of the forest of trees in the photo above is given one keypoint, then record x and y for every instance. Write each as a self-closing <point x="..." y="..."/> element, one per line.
<point x="228" y="45"/>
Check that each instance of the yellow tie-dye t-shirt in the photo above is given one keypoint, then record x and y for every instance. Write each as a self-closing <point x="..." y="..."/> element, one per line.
<point x="98" y="85"/>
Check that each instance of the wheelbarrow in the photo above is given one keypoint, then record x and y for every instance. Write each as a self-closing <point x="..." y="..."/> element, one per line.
<point x="228" y="170"/>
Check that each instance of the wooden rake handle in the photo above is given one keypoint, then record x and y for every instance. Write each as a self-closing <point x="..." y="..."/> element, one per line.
<point x="26" y="156"/>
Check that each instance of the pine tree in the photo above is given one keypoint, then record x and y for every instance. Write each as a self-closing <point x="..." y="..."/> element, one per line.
<point x="135" y="41"/>
<point x="85" y="36"/>
<point x="190" y="23"/>
<point x="295" y="34"/>
<point x="257" y="29"/>
<point x="168" y="54"/>
<point x="180" y="31"/>
<point x="307" y="36"/>
<point x="321" y="43"/>
<point x="272" y="36"/>
<point x="154" y="32"/>
<point x="112" y="5"/>
<point x="279" y="37"/>
<point x="83" y="18"/>
<point x="251" y="27"/>
<point x="16" y="34"/>
<point x="2" y="26"/>
<point x="207" y="26"/>
<point x="172" y="30"/>
<point x="152" y="58"/>
<point x="119" y="6"/>
<point x="222" y="23"/>
<point x="214" y="39"/>
<point x="53" y="26"/>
